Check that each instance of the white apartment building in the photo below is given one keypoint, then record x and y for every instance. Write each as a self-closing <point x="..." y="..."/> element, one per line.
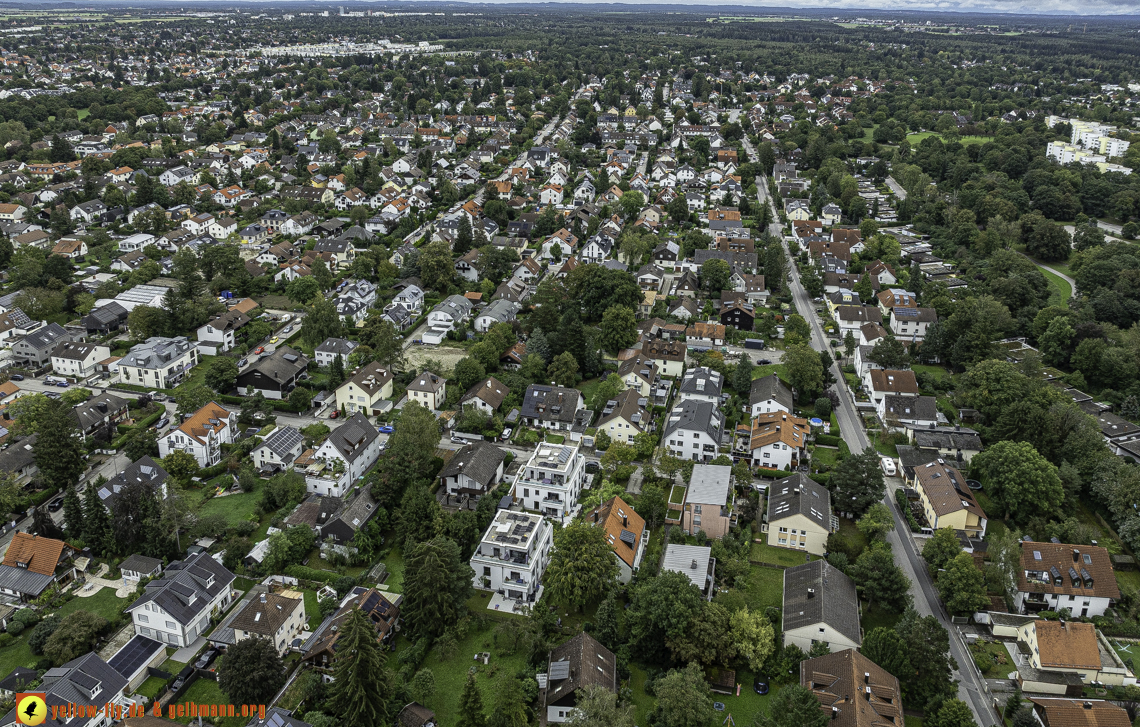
<point x="552" y="480"/>
<point x="176" y="608"/>
<point x="513" y="554"/>
<point x="78" y="359"/>
<point x="158" y="362"/>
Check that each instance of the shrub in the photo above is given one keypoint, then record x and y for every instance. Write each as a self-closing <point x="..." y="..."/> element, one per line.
<point x="15" y="628"/>
<point x="5" y="639"/>
<point x="983" y="660"/>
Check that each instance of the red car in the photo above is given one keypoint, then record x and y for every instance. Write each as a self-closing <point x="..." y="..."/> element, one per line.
<point x="335" y="414"/>
<point x="259" y="350"/>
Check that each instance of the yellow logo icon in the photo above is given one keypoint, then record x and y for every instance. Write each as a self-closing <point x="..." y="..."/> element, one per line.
<point x="31" y="709"/>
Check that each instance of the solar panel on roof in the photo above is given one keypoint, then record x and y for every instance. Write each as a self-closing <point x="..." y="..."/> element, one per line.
<point x="276" y="720"/>
<point x="560" y="670"/>
<point x="628" y="537"/>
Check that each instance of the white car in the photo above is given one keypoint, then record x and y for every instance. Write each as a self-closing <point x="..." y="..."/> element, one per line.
<point x="889" y="468"/>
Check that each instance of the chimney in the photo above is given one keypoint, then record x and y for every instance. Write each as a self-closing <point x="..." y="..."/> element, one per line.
<point x="625" y="522"/>
<point x="867" y="693"/>
<point x="866" y="677"/>
<point x="811" y="593"/>
<point x="835" y="712"/>
<point x="595" y="517"/>
<point x="1088" y="705"/>
<point x="1076" y="555"/>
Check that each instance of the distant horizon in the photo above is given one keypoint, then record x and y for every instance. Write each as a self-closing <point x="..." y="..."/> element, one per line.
<point x="1051" y="9"/>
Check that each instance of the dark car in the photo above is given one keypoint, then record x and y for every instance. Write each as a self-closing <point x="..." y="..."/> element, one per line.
<point x="63" y="384"/>
<point x="592" y="466"/>
<point x="252" y="431"/>
<point x="205" y="659"/>
<point x="163" y="422"/>
<point x="16" y="377"/>
<point x="55" y="504"/>
<point x="760" y="686"/>
<point x="763" y="362"/>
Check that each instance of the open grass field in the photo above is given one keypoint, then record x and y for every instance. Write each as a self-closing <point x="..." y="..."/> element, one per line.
<point x="103" y="603"/>
<point x="759" y="372"/>
<point x="938" y="372"/>
<point x="764" y="587"/>
<point x="780" y="556"/>
<point x="451" y="674"/>
<point x="235" y="508"/>
<point x="17" y="654"/>
<point x="875" y="616"/>
<point x="918" y="138"/>
<point x="206" y="691"/>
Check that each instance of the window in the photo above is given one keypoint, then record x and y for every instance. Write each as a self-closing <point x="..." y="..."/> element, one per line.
<point x="143" y="618"/>
<point x="171" y="625"/>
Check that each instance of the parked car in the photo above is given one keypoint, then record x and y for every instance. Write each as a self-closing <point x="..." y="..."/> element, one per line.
<point x="507" y="433"/>
<point x="163" y="422"/>
<point x="386" y="429"/>
<point x="16" y="377"/>
<point x="205" y="659"/>
<point x="275" y="339"/>
<point x="335" y="414"/>
<point x="55" y="504"/>
<point x="592" y="466"/>
<point x="63" y="384"/>
<point x="763" y="362"/>
<point x="243" y="362"/>
<point x="287" y="329"/>
<point x="252" y="431"/>
<point x="259" y="350"/>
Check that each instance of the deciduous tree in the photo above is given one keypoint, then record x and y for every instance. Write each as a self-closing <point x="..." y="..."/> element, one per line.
<point x="252" y="671"/>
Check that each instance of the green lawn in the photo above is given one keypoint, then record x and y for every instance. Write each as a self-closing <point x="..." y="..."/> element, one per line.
<point x="677" y="495"/>
<point x="589" y="389"/>
<point x="743" y="709"/>
<point x="938" y="372"/>
<point x="17" y="654"/>
<point x="206" y="691"/>
<point x="103" y="603"/>
<point x="764" y="587"/>
<point x="82" y="113"/>
<point x="151" y="687"/>
<point x="759" y="372"/>
<point x="916" y="139"/>
<point x="1128" y="580"/>
<point x="780" y="556"/>
<point x="912" y="721"/>
<point x="312" y="609"/>
<point x="395" y="563"/>
<point x="450" y="675"/>
<point x="235" y="508"/>
<point x="1058" y="286"/>
<point x="825" y="455"/>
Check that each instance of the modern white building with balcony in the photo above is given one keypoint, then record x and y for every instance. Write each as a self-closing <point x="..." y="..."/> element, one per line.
<point x="158" y="362"/>
<point x="513" y="555"/>
<point x="552" y="480"/>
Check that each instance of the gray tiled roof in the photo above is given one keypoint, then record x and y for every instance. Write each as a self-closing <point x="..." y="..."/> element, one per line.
<point x="478" y="460"/>
<point x="145" y="470"/>
<point x="692" y="415"/>
<point x="770" y="387"/>
<point x="156" y="351"/>
<point x="702" y="381"/>
<point x="183" y="582"/>
<point x="834" y="601"/>
<point x="352" y="438"/>
<point x="84" y="680"/>
<point x="797" y="495"/>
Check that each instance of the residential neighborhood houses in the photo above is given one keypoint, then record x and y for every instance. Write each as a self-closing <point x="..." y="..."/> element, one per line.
<point x="554" y="389"/>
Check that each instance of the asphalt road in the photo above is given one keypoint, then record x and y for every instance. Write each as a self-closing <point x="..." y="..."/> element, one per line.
<point x="971" y="689"/>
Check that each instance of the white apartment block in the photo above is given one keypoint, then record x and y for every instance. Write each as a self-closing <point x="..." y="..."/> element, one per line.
<point x="513" y="554"/>
<point x="552" y="480"/>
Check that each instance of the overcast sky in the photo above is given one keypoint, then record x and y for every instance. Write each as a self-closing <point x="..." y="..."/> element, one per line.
<point x="849" y="7"/>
